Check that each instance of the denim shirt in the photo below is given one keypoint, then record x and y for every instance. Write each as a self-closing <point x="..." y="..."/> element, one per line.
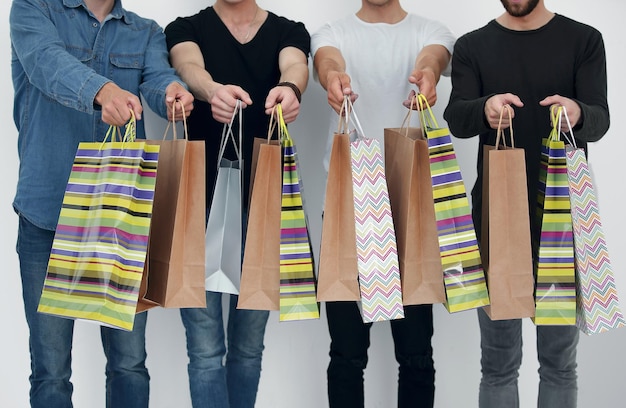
<point x="61" y="57"/>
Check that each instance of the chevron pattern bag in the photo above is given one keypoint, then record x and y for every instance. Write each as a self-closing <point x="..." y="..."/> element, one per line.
<point x="298" y="300"/>
<point x="99" y="248"/>
<point x="377" y="255"/>
<point x="463" y="274"/>
<point x="555" y="285"/>
<point x="598" y="307"/>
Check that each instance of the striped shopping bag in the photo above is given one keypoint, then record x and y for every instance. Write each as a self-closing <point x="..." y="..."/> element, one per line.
<point x="463" y="274"/>
<point x="555" y="285"/>
<point x="298" y="299"/>
<point x="99" y="248"/>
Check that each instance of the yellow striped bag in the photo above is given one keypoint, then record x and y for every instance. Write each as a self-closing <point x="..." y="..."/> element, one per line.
<point x="463" y="274"/>
<point x="99" y="248"/>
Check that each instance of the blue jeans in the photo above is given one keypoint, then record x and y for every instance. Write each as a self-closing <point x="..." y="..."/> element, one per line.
<point x="218" y="379"/>
<point x="501" y="345"/>
<point x="350" y="340"/>
<point x="50" y="342"/>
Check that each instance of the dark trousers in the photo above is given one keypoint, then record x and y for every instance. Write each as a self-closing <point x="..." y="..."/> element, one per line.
<point x="350" y="339"/>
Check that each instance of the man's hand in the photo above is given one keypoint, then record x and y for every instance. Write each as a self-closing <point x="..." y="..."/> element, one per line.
<point x="288" y="101"/>
<point x="338" y="84"/>
<point x="426" y="84"/>
<point x="494" y="105"/>
<point x="116" y="104"/>
<point x="572" y="109"/>
<point x="175" y="92"/>
<point x="224" y="101"/>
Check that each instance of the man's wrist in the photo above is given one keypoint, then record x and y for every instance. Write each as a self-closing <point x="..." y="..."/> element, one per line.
<point x="294" y="88"/>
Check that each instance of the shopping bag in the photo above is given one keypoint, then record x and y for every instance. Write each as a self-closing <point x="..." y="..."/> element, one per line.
<point x="175" y="270"/>
<point x="260" y="274"/>
<point x="555" y="285"/>
<point x="377" y="256"/>
<point x="223" y="243"/>
<point x="99" y="249"/>
<point x="410" y="194"/>
<point x="297" y="273"/>
<point x="338" y="274"/>
<point x="506" y="250"/>
<point x="464" y="278"/>
<point x="598" y="308"/>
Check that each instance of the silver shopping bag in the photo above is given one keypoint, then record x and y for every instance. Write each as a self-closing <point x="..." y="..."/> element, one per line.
<point x="224" y="229"/>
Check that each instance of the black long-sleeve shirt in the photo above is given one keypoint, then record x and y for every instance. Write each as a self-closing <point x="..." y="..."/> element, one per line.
<point x="563" y="57"/>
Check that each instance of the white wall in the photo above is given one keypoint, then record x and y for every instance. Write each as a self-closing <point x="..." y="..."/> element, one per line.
<point x="296" y="353"/>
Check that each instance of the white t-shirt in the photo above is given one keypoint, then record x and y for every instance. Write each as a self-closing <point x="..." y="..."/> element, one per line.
<point x="379" y="59"/>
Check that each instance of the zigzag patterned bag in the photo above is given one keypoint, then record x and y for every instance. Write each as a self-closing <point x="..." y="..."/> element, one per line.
<point x="377" y="255"/>
<point x="596" y="295"/>
<point x="463" y="274"/>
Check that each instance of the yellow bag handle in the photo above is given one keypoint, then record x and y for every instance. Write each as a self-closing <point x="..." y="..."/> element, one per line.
<point x="427" y="117"/>
<point x="555" y="116"/>
<point x="130" y="133"/>
<point x="283" y="132"/>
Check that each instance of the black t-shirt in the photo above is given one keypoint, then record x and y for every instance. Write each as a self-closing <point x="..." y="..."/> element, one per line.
<point x="252" y="66"/>
<point x="563" y="57"/>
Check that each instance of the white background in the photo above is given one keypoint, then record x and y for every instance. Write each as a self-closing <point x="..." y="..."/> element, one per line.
<point x="296" y="355"/>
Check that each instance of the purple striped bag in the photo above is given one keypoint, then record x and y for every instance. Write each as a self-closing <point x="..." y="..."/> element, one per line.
<point x="463" y="274"/>
<point x="99" y="249"/>
<point x="298" y="299"/>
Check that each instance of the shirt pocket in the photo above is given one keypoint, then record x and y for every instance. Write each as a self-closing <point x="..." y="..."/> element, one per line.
<point x="127" y="70"/>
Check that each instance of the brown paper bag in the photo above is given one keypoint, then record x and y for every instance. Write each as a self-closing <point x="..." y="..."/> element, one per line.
<point x="410" y="193"/>
<point x="144" y="304"/>
<point x="176" y="249"/>
<point x="338" y="270"/>
<point x="505" y="238"/>
<point x="260" y="275"/>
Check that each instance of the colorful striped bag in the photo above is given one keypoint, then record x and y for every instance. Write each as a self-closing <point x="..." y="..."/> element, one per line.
<point x="463" y="274"/>
<point x="555" y="283"/>
<point x="598" y="307"/>
<point x="297" y="273"/>
<point x="99" y="248"/>
<point x="377" y="254"/>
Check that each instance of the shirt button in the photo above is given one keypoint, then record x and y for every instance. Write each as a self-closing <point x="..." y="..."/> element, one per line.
<point x="95" y="25"/>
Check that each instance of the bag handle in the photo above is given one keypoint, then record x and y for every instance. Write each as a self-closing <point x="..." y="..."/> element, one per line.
<point x="500" y="133"/>
<point x="172" y="122"/>
<point x="283" y="131"/>
<point x="555" y="113"/>
<point x="557" y="122"/>
<point x="346" y="114"/>
<point x="276" y="118"/>
<point x="130" y="133"/>
<point x="227" y="133"/>
<point x="406" y="123"/>
<point x="427" y="117"/>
